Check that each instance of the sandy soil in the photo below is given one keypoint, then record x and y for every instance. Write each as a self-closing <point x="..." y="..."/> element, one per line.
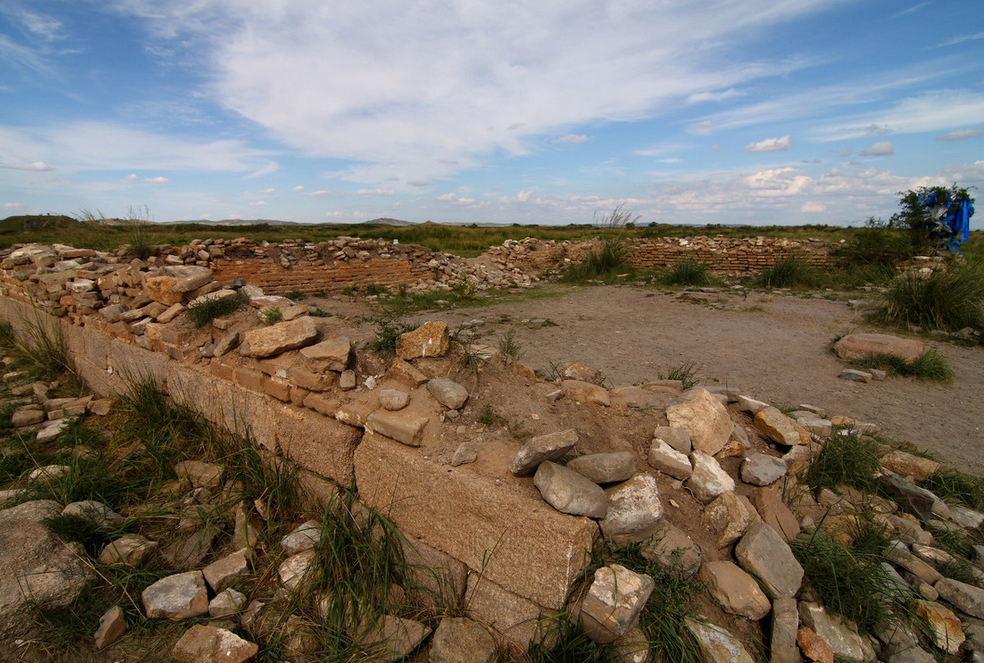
<point x="771" y="347"/>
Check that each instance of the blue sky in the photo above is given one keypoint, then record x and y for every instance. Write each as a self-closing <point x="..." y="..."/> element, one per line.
<point x="719" y="111"/>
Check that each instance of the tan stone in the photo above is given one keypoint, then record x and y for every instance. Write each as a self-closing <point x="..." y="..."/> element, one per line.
<point x="161" y="289"/>
<point x="907" y="464"/>
<point x="406" y="373"/>
<point x="209" y="644"/>
<point x="729" y="514"/>
<point x="585" y="392"/>
<point x="860" y="346"/>
<point x="428" y="340"/>
<point x="439" y="578"/>
<point x="402" y="426"/>
<point x="329" y="355"/>
<point x="283" y="336"/>
<point x="501" y="528"/>
<point x="813" y="646"/>
<point x="704" y="418"/>
<point x="735" y="590"/>
<point x="511" y="617"/>
<point x="717" y="644"/>
<point x="940" y="624"/>
<point x="775" y="513"/>
<point x="780" y="428"/>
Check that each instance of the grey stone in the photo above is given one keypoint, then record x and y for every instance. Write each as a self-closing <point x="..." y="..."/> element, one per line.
<point x="179" y="596"/>
<point x="762" y="469"/>
<point x="967" y="518"/>
<point x="750" y="405"/>
<point x="785" y="625"/>
<point x="37" y="566"/>
<point x="304" y="537"/>
<point x="613" y="602"/>
<point x="26" y="417"/>
<point x="717" y="644"/>
<point x="668" y="460"/>
<point x="189" y="551"/>
<point x="763" y="553"/>
<point x="736" y="591"/>
<point x="569" y="492"/>
<point x="95" y="512"/>
<point x="704" y="418"/>
<point x="460" y="640"/>
<point x="897" y="554"/>
<point x="729" y="515"/>
<point x="634" y="510"/>
<point x="671" y="548"/>
<point x="393" y="399"/>
<point x="677" y="438"/>
<point x="51" y="430"/>
<point x="855" y="375"/>
<point x="448" y="393"/>
<point x="347" y="381"/>
<point x="843" y="639"/>
<point x="907" y="654"/>
<point x="112" y="625"/>
<point x="209" y="644"/>
<point x="464" y="454"/>
<point x="552" y="446"/>
<point x="223" y="573"/>
<point x="605" y="467"/>
<point x="192" y="277"/>
<point x="226" y="603"/>
<point x="329" y="355"/>
<point x="967" y="598"/>
<point x="129" y="550"/>
<point x="226" y="344"/>
<point x="709" y="479"/>
<point x="917" y="501"/>
<point x="294" y="569"/>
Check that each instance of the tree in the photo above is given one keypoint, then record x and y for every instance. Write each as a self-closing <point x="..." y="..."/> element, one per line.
<point x="934" y="216"/>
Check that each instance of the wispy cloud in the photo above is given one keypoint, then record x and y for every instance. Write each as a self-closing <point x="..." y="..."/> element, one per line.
<point x="769" y="145"/>
<point x="37" y="166"/>
<point x="701" y="97"/>
<point x="911" y="10"/>
<point x="960" y="134"/>
<point x="882" y="148"/>
<point x="933" y="111"/>
<point x="573" y="138"/>
<point x="959" y="39"/>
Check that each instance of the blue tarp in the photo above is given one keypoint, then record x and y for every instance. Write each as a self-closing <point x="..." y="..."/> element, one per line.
<point x="951" y="225"/>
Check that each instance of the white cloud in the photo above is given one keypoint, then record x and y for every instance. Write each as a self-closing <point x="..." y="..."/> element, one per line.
<point x="959" y="39"/>
<point x="131" y="177"/>
<point x="298" y="188"/>
<point x="701" y="97"/>
<point x="882" y="148"/>
<point x="455" y="198"/>
<point x="701" y="127"/>
<point x="13" y="205"/>
<point x="318" y="194"/>
<point x="960" y="134"/>
<point x="573" y="138"/>
<point x="370" y="193"/>
<point x="449" y="82"/>
<point x="933" y="111"/>
<point x="769" y="145"/>
<point x="420" y="183"/>
<point x="258" y="203"/>
<point x="910" y="10"/>
<point x="37" y="166"/>
<point x="523" y="196"/>
<point x="156" y="180"/>
<point x="271" y="167"/>
<point x="270" y="190"/>
<point x="813" y="207"/>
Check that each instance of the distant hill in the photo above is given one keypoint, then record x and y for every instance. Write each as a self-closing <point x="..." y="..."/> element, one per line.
<point x="236" y="222"/>
<point x="389" y="222"/>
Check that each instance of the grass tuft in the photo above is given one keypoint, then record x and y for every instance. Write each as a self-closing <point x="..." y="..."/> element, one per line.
<point x="846" y="459"/>
<point x="790" y="272"/>
<point x="40" y="349"/>
<point x="688" y="273"/>
<point x="949" y="484"/>
<point x="388" y="330"/>
<point x="688" y="373"/>
<point x="203" y="312"/>
<point x="948" y="299"/>
<point x="509" y="347"/>
<point x="932" y="365"/>
<point x="272" y="315"/>
<point x="565" y="642"/>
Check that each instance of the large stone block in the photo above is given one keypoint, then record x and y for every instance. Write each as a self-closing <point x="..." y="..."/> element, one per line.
<point x="860" y="346"/>
<point x="283" y="336"/>
<point x="704" y="418"/>
<point x="428" y="340"/>
<point x="513" y="618"/>
<point x="500" y="528"/>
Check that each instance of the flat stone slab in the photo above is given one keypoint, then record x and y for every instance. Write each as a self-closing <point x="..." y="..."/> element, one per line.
<point x="448" y="393"/>
<point x="181" y="596"/>
<point x="208" y="644"/>
<point x="459" y="640"/>
<point x="781" y="429"/>
<point x="966" y="598"/>
<point x="569" y="492"/>
<point x="605" y="467"/>
<point x="763" y="553"/>
<point x="843" y="639"/>
<point x="677" y="438"/>
<point x="401" y="426"/>
<point x="428" y="340"/>
<point x="762" y="469"/>
<point x="709" y="480"/>
<point x="668" y="460"/>
<point x="736" y="591"/>
<point x="860" y="346"/>
<point x="304" y="537"/>
<point x="634" y="510"/>
<point x="906" y="465"/>
<point x="129" y="550"/>
<point x="329" y="355"/>
<point x="704" y="418"/>
<point x="717" y="644"/>
<point x="552" y="446"/>
<point x="278" y="338"/>
<point x="672" y="548"/>
<point x="223" y="573"/>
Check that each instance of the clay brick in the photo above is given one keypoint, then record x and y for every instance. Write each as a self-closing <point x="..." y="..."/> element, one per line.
<point x="322" y="404"/>
<point x="297" y="395"/>
<point x="279" y="389"/>
<point x="309" y="380"/>
<point x="250" y="379"/>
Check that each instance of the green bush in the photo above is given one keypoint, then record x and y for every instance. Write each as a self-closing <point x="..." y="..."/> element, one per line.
<point x="846" y="459"/>
<point x="204" y="311"/>
<point x="790" y="272"/>
<point x="688" y="272"/>
<point x="948" y="299"/>
<point x="388" y="330"/>
<point x="932" y="365"/>
<point x="876" y="244"/>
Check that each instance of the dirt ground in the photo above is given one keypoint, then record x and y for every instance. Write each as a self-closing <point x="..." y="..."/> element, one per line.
<point x="773" y="347"/>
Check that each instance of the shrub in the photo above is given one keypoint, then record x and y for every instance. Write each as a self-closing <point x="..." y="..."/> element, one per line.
<point x="387" y="333"/>
<point x="932" y="365"/>
<point x="846" y="459"/>
<point x="790" y="272"/>
<point x="876" y="244"/>
<point x="272" y="314"/>
<point x="948" y="299"/>
<point x="204" y="311"/>
<point x="688" y="272"/>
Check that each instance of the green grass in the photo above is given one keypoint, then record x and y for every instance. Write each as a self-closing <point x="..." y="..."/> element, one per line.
<point x="846" y="459"/>
<point x="388" y="330"/>
<point x="688" y="373"/>
<point x="688" y="273"/>
<point x="509" y="346"/>
<point x="295" y="295"/>
<point x="566" y="642"/>
<point x="948" y="299"/>
<point x="932" y="365"/>
<point x="39" y="348"/>
<point x="404" y="302"/>
<point x="848" y="580"/>
<point x="272" y="315"/>
<point x="790" y="272"/>
<point x="953" y="485"/>
<point x="203" y="312"/>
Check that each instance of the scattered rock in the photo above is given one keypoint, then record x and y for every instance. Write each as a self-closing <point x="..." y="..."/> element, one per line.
<point x="332" y="354"/>
<point x="448" y="393"/>
<point x="209" y="644"/>
<point x="95" y="512"/>
<point x="781" y="429"/>
<point x="552" y="446"/>
<point x="112" y="625"/>
<point x="736" y="591"/>
<point x="293" y="570"/>
<point x="966" y="598"/>
<point x="278" y="338"/>
<point x="393" y="638"/>
<point x="863" y="346"/>
<point x="729" y="514"/>
<point x="775" y="513"/>
<point x="940" y="624"/>
<point x="200" y="474"/>
<point x="717" y="644"/>
<point x="763" y="553"/>
<point x="634" y="510"/>
<point x="401" y="426"/>
<point x="304" y="537"/>
<point x="605" y="467"/>
<point x="813" y="646"/>
<point x="585" y="392"/>
<point x="677" y="438"/>
<point x="704" y="418"/>
<point x="224" y="572"/>
<point x="906" y="464"/>
<point x="854" y="375"/>
<point x="569" y="492"/>
<point x="844" y="640"/>
<point x="613" y="603"/>
<point x="762" y="469"/>
<point x="668" y="460"/>
<point x="130" y="550"/>
<point x="393" y="399"/>
<point x="460" y="640"/>
<point x="785" y="625"/>
<point x="708" y="479"/>
<point x="917" y="501"/>
<point x="428" y="340"/>
<point x="180" y="596"/>
<point x="226" y="603"/>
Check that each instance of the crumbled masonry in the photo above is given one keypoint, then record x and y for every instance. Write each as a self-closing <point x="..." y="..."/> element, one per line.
<point x="500" y="530"/>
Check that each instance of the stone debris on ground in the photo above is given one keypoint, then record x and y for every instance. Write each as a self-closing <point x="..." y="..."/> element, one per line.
<point x="720" y="467"/>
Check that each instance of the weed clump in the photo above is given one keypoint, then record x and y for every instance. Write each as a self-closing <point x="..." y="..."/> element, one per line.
<point x="687" y="373"/>
<point x="932" y="365"/>
<point x="388" y="330"/>
<point x="204" y="311"/>
<point x="688" y="273"/>
<point x="948" y="299"/>
<point x="846" y="459"/>
<point x="611" y="256"/>
<point x="790" y="272"/>
<point x="40" y="349"/>
<point x="949" y="484"/>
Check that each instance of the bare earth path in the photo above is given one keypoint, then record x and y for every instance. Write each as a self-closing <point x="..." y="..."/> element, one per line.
<point x="777" y="352"/>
